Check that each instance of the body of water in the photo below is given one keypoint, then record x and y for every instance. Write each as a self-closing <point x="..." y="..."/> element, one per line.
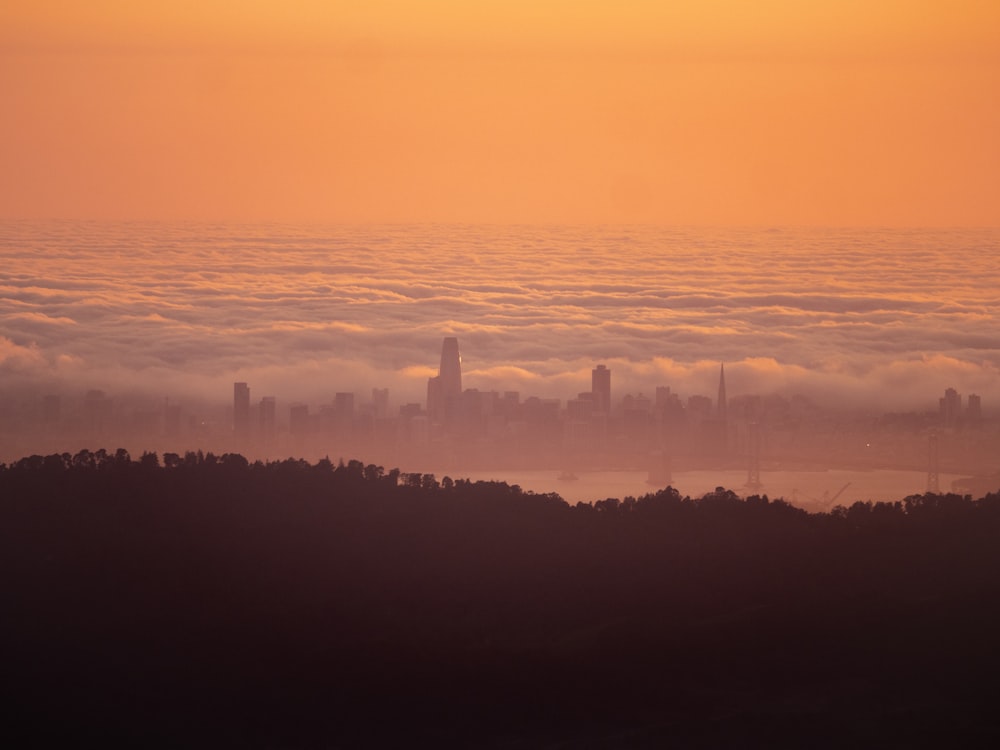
<point x="812" y="490"/>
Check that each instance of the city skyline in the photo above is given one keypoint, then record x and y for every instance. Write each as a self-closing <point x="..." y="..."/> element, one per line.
<point x="859" y="318"/>
<point x="500" y="373"/>
<point x="603" y="428"/>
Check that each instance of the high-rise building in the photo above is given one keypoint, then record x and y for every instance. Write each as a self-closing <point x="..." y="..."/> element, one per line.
<point x="435" y="399"/>
<point x="241" y="408"/>
<point x="267" y="413"/>
<point x="581" y="407"/>
<point x="343" y="405"/>
<point x="668" y="405"/>
<point x="380" y="402"/>
<point x="950" y="407"/>
<point x="298" y="420"/>
<point x="444" y="390"/>
<point x="450" y="371"/>
<point x="600" y="386"/>
<point x="974" y="410"/>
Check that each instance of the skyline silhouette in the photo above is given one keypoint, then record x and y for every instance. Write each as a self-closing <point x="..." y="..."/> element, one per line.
<point x="468" y="430"/>
<point x="499" y="374"/>
<point x="143" y="311"/>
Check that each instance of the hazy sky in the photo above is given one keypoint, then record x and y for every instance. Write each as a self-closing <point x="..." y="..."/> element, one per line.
<point x="716" y="111"/>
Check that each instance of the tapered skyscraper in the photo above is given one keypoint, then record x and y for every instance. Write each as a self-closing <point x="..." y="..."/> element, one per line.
<point x="444" y="390"/>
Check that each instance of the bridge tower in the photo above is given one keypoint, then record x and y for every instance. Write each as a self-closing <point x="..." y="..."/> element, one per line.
<point x="933" y="483"/>
<point x="753" y="456"/>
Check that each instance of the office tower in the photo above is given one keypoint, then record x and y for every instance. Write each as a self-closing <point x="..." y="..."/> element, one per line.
<point x="637" y="403"/>
<point x="435" y="399"/>
<point x="267" y="416"/>
<point x="241" y="408"/>
<point x="341" y="417"/>
<point x="380" y="402"/>
<point x="343" y="405"/>
<point x="668" y="405"/>
<point x="581" y="407"/>
<point x="950" y="407"/>
<point x="444" y="390"/>
<point x="450" y="371"/>
<point x="974" y="411"/>
<point x="298" y="419"/>
<point x="600" y="386"/>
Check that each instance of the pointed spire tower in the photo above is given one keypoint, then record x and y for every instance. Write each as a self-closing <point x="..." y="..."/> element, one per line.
<point x="722" y="409"/>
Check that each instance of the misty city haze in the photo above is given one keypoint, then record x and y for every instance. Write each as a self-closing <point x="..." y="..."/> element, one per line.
<point x="499" y="374"/>
<point x="135" y="333"/>
<point x="132" y="335"/>
<point x="872" y="318"/>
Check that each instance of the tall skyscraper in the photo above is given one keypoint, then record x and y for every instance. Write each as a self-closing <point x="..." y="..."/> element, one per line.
<point x="267" y="413"/>
<point x="444" y="390"/>
<point x="951" y="407"/>
<point x="974" y="410"/>
<point x="450" y="371"/>
<point x="600" y="386"/>
<point x="241" y="408"/>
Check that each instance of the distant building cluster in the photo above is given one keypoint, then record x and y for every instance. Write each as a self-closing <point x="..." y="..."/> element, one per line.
<point x="952" y="413"/>
<point x="472" y="428"/>
<point x="592" y="429"/>
<point x="458" y="424"/>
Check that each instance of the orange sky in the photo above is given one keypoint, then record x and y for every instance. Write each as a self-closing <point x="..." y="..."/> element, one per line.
<point x="710" y="112"/>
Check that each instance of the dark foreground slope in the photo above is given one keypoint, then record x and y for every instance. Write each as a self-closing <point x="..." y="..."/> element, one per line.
<point x="214" y="603"/>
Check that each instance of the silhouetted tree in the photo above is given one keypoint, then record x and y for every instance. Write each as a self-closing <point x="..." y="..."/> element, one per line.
<point x="220" y="602"/>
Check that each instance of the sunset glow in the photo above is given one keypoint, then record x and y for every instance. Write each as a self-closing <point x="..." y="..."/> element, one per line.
<point x="771" y="113"/>
<point x="499" y="373"/>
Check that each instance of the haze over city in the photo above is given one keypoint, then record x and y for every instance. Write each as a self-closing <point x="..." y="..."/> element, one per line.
<point x="546" y="348"/>
<point x="837" y="330"/>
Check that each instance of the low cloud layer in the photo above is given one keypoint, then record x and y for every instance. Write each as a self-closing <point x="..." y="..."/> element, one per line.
<point x="867" y="318"/>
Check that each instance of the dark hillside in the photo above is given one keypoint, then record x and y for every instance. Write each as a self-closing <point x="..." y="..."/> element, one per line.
<point x="211" y="602"/>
